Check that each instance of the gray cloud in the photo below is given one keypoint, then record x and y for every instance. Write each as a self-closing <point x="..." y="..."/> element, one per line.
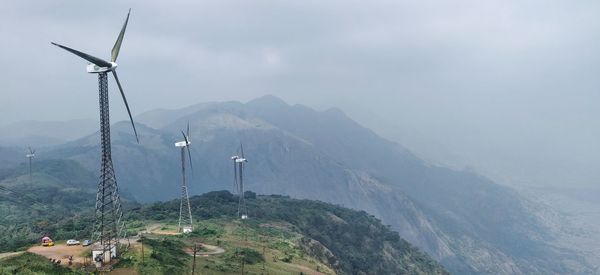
<point x="507" y="87"/>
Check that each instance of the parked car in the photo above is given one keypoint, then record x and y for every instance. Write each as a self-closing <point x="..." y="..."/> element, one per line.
<point x="72" y="242"/>
<point x="87" y="242"/>
<point x="46" y="241"/>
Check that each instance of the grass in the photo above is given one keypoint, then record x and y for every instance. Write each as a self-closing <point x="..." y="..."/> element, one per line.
<point x="246" y="241"/>
<point x="243" y="243"/>
<point x="32" y="264"/>
<point x="259" y="247"/>
<point x="274" y="242"/>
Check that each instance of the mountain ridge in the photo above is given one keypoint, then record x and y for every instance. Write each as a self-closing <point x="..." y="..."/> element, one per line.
<point x="467" y="222"/>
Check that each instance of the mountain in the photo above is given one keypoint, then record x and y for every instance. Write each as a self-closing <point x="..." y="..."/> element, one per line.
<point x="44" y="133"/>
<point x="17" y="136"/>
<point x="465" y="221"/>
<point x="297" y="235"/>
<point x="11" y="156"/>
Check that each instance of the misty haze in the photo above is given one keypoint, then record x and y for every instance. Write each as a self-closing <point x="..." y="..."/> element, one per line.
<point x="312" y="137"/>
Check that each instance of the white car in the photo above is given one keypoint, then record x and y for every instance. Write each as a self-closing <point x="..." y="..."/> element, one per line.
<point x="72" y="242"/>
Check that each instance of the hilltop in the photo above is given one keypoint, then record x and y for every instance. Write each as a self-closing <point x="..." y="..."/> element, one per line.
<point x="346" y="241"/>
<point x="296" y="235"/>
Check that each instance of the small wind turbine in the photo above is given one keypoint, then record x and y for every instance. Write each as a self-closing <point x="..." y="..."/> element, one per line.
<point x="30" y="156"/>
<point x="185" y="219"/>
<point x="238" y="169"/>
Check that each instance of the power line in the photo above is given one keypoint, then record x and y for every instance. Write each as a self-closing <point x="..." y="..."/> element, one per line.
<point x="31" y="200"/>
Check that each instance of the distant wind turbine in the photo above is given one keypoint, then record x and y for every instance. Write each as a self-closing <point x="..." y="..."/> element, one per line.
<point x="185" y="220"/>
<point x="30" y="156"/>
<point x="238" y="171"/>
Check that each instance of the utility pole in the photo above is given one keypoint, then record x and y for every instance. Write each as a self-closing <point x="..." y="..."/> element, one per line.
<point x="243" y="262"/>
<point x="245" y="233"/>
<point x="194" y="264"/>
<point x="30" y="176"/>
<point x="142" y="241"/>
<point x="264" y="259"/>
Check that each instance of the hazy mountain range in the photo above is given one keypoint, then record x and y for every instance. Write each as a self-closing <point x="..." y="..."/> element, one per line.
<point x="465" y="221"/>
<point x="45" y="133"/>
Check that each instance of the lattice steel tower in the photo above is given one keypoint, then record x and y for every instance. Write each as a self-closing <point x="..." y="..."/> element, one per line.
<point x="109" y="225"/>
<point x="238" y="183"/>
<point x="30" y="156"/>
<point x="185" y="211"/>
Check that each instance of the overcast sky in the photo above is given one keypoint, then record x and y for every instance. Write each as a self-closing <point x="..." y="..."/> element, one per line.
<point x="508" y="88"/>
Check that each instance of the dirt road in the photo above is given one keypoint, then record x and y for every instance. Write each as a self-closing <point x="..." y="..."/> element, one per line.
<point x="9" y="254"/>
<point x="213" y="250"/>
<point x="61" y="252"/>
<point x="155" y="229"/>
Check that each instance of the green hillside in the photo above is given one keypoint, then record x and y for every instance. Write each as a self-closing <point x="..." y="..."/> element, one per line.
<point x="348" y="241"/>
<point x="32" y="264"/>
<point x="282" y="235"/>
<point x="58" y="201"/>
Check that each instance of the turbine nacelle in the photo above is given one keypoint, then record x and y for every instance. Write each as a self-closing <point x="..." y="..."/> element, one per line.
<point x="239" y="160"/>
<point x="94" y="69"/>
<point x="185" y="143"/>
<point x="182" y="143"/>
<point x="186" y="137"/>
<point x="31" y="153"/>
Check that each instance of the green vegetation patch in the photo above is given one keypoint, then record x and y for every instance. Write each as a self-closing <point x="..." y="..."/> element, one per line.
<point x="348" y="241"/>
<point x="248" y="255"/>
<point x="167" y="257"/>
<point x="56" y="204"/>
<point x="31" y="264"/>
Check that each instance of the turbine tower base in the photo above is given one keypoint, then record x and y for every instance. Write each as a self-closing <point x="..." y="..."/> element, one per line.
<point x="108" y="225"/>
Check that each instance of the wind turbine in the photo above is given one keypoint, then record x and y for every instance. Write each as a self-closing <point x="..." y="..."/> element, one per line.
<point x="30" y="156"/>
<point x="186" y="220"/>
<point x="238" y="171"/>
<point x="108" y="225"/>
<point x="235" y="174"/>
